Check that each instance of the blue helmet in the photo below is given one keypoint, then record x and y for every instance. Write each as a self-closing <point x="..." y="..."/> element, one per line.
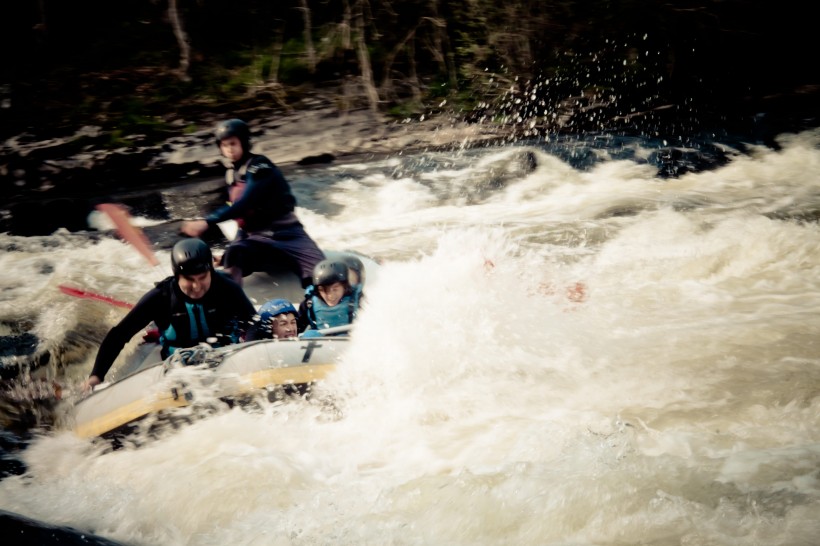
<point x="275" y="308"/>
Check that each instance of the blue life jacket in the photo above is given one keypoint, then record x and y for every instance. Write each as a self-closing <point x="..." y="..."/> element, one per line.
<point x="320" y="315"/>
<point x="192" y="323"/>
<point x="196" y="327"/>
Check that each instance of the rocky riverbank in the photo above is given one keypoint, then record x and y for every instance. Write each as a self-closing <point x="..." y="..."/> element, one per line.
<point x="53" y="182"/>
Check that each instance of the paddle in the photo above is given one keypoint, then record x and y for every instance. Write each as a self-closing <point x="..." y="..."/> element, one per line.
<point x="130" y="233"/>
<point x="77" y="293"/>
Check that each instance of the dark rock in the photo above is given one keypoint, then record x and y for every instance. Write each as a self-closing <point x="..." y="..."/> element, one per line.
<point x="23" y="531"/>
<point x="11" y="445"/>
<point x="316" y="159"/>
<point x="46" y="216"/>
<point x="23" y="344"/>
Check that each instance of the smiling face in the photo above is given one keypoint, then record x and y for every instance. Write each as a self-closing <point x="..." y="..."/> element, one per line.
<point x="283" y="326"/>
<point x="231" y="148"/>
<point x="195" y="286"/>
<point x="332" y="294"/>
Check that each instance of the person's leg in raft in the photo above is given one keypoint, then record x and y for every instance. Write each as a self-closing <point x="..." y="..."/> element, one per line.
<point x="292" y="249"/>
<point x="238" y="260"/>
<point x="257" y="254"/>
<point x="303" y="250"/>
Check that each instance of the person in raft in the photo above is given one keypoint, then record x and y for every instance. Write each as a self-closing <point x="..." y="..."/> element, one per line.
<point x="192" y="305"/>
<point x="262" y="204"/>
<point x="330" y="301"/>
<point x="277" y="320"/>
<point x="355" y="274"/>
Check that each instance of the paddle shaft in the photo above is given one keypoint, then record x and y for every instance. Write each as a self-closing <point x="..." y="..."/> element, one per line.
<point x="77" y="293"/>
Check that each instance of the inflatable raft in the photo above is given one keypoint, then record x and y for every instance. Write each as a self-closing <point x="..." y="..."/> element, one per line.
<point x="148" y="385"/>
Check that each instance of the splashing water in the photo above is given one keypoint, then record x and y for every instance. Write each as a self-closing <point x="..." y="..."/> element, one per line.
<point x="549" y="355"/>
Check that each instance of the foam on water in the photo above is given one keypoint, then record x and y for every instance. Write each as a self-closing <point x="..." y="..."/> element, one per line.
<point x="673" y="396"/>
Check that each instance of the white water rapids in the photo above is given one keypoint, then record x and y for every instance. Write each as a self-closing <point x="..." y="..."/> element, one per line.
<point x="677" y="403"/>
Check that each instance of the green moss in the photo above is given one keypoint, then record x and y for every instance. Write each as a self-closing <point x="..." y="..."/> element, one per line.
<point x="116" y="140"/>
<point x="405" y="109"/>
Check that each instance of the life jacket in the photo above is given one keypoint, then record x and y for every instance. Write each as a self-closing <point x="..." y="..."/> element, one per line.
<point x="191" y="322"/>
<point x="277" y="201"/>
<point x="320" y="315"/>
<point x="235" y="179"/>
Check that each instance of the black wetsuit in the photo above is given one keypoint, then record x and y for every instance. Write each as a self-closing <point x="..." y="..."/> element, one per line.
<point x="271" y="234"/>
<point x="222" y="312"/>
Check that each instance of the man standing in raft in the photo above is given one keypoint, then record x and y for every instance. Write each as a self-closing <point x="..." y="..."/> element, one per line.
<point x="263" y="205"/>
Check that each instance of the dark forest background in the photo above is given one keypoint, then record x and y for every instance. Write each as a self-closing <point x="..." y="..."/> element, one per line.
<point x="158" y="67"/>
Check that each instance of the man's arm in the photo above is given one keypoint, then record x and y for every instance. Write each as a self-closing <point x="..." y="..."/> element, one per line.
<point x="236" y="311"/>
<point x="258" y="330"/>
<point x="138" y="318"/>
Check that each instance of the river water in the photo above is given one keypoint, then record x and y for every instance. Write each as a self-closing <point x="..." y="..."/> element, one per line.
<point x="583" y="353"/>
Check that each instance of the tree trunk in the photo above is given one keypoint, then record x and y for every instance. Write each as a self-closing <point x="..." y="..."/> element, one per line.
<point x="451" y="59"/>
<point x="387" y="80"/>
<point x="310" y="52"/>
<point x="414" y="77"/>
<point x="42" y="26"/>
<point x="182" y="40"/>
<point x="364" y="62"/>
<point x="276" y="57"/>
<point x="345" y="26"/>
<point x="442" y="45"/>
<point x="433" y="43"/>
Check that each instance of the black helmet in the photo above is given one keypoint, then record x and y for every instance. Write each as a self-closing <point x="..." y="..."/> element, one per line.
<point x="191" y="257"/>
<point x="354" y="263"/>
<point x="237" y="128"/>
<point x="329" y="271"/>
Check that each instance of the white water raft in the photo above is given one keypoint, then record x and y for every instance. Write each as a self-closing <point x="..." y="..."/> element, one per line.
<point x="148" y="385"/>
<point x="240" y="369"/>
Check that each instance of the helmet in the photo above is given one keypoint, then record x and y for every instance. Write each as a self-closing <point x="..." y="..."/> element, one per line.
<point x="329" y="271"/>
<point x="354" y="263"/>
<point x="234" y="127"/>
<point x="191" y="257"/>
<point x="274" y="308"/>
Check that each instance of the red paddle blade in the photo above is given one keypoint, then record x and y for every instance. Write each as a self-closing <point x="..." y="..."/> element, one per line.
<point x="130" y="233"/>
<point x="77" y="293"/>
